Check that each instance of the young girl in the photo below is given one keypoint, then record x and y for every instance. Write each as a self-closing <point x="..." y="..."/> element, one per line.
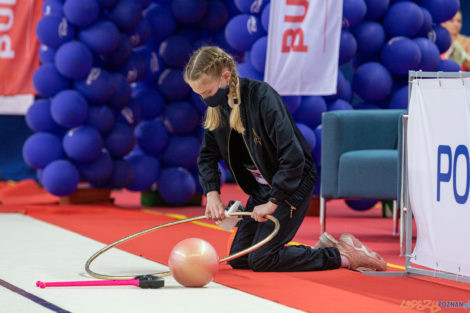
<point x="248" y="126"/>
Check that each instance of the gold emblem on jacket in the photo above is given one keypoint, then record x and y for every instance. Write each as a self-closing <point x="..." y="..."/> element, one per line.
<point x="256" y="138"/>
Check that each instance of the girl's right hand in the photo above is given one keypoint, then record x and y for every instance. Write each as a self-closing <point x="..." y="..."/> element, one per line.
<point x="215" y="209"/>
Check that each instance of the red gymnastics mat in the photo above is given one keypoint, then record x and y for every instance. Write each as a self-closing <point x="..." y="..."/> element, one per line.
<point x="328" y="291"/>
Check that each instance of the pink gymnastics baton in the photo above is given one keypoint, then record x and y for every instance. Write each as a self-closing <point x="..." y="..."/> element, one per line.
<point x="146" y="281"/>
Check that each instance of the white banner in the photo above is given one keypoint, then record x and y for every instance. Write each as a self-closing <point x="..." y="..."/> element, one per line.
<point x="15" y="105"/>
<point x="303" y="46"/>
<point x="439" y="172"/>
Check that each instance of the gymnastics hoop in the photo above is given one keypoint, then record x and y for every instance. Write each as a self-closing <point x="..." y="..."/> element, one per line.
<point x="187" y="220"/>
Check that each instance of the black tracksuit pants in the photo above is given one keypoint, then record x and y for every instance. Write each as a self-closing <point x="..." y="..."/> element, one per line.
<point x="275" y="256"/>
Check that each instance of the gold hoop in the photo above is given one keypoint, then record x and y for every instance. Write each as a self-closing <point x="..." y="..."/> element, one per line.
<point x="187" y="220"/>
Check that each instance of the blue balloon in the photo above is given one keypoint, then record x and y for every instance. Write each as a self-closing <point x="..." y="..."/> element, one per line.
<point x="106" y="3"/>
<point x="441" y="37"/>
<point x="120" y="140"/>
<point x="358" y="60"/>
<point x="151" y="103"/>
<point x="141" y="34"/>
<point x="46" y="54"/>
<point x="152" y="137"/>
<point x="120" y="55"/>
<point x="258" y="54"/>
<point x="122" y="175"/>
<point x="181" y="118"/>
<point x="341" y="81"/>
<point x="81" y="12"/>
<point x="40" y="149"/>
<point x="102" y="37"/>
<point x="53" y="7"/>
<point x="216" y="16"/>
<point x="53" y="31"/>
<point x="220" y="40"/>
<point x="74" y="60"/>
<point x="441" y="10"/>
<point x="449" y="66"/>
<point x="232" y="8"/>
<point x="398" y="82"/>
<point x="172" y="85"/>
<point x="372" y="82"/>
<point x="265" y="17"/>
<point x="60" y="178"/>
<point x="317" y="151"/>
<point x="370" y="37"/>
<point x="430" y="56"/>
<point x="144" y="3"/>
<point x="189" y="11"/>
<point x="48" y="81"/>
<point x="223" y="173"/>
<point x="146" y="171"/>
<point x="69" y="109"/>
<point x="354" y="12"/>
<point x="340" y="104"/>
<point x="401" y="55"/>
<point x="247" y="70"/>
<point x="135" y="67"/>
<point x="131" y="115"/>
<point x="347" y="47"/>
<point x="308" y="134"/>
<point x="427" y="23"/>
<point x="101" y="118"/>
<point x="126" y="14"/>
<point x="400" y="99"/>
<point x="200" y="106"/>
<point x="83" y="143"/>
<point x="199" y="134"/>
<point x="39" y="175"/>
<point x="292" y="103"/>
<point x="251" y="6"/>
<point x="361" y="205"/>
<point x="346" y="92"/>
<point x="122" y="91"/>
<point x="191" y="33"/>
<point x="98" y="171"/>
<point x="176" y="186"/>
<point x="376" y="9"/>
<point x="181" y="151"/>
<point x="310" y="111"/>
<point x="39" y="117"/>
<point x="175" y="51"/>
<point x="154" y="65"/>
<point x="403" y="19"/>
<point x="96" y="87"/>
<point x="366" y="106"/>
<point x="161" y="20"/>
<point x="195" y="173"/>
<point x="242" y="31"/>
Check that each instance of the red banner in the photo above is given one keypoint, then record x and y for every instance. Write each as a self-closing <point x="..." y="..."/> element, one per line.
<point x="18" y="45"/>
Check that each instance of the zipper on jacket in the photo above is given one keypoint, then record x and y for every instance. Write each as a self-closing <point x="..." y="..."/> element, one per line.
<point x="292" y="208"/>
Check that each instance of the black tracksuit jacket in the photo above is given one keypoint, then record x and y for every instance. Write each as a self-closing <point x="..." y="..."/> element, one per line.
<point x="275" y="144"/>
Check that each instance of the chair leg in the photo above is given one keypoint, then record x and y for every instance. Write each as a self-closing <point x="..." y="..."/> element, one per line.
<point x="395" y="218"/>
<point x="322" y="215"/>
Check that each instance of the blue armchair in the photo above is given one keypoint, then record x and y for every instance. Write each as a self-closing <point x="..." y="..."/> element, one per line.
<point x="359" y="157"/>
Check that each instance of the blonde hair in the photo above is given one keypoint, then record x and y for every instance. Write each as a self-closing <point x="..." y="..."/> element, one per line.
<point x="212" y="61"/>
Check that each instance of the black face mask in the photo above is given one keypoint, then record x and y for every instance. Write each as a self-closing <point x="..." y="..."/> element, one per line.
<point x="220" y="97"/>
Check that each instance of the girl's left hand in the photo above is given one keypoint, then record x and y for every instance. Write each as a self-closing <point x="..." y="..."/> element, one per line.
<point x="260" y="211"/>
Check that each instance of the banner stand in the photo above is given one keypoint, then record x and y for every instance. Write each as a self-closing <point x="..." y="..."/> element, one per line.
<point x="406" y="212"/>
